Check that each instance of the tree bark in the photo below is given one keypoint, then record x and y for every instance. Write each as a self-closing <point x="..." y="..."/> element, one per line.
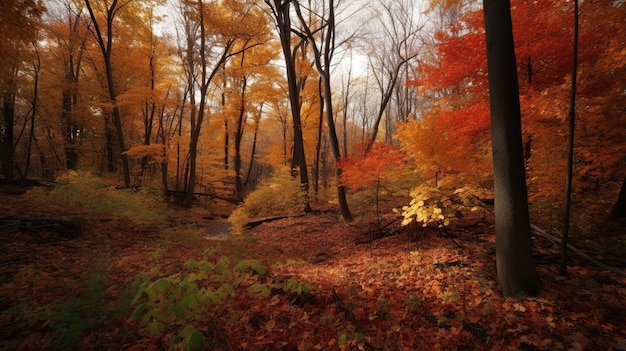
<point x="514" y="261"/>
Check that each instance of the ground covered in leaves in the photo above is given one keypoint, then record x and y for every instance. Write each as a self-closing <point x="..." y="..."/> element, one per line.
<point x="310" y="282"/>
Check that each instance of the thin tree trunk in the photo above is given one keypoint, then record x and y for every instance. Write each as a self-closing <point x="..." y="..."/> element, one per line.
<point x="283" y="21"/>
<point x="254" y="141"/>
<point x="241" y="120"/>
<point x="323" y="65"/>
<point x="619" y="208"/>
<point x="35" y="102"/>
<point x="6" y="144"/>
<point x="570" y="151"/>
<point x="106" y="48"/>
<point x="318" y="144"/>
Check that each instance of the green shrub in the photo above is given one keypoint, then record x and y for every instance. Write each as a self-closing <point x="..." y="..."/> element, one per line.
<point x="279" y="195"/>
<point x="85" y="191"/>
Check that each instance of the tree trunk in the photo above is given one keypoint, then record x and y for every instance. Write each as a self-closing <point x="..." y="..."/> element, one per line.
<point x="241" y="121"/>
<point x="318" y="143"/>
<point x="106" y="48"/>
<point x="281" y="14"/>
<point x="34" y="106"/>
<point x="515" y="266"/>
<point x="6" y="144"/>
<point x="619" y="209"/>
<point x="323" y="65"/>
<point x="570" y="151"/>
<point x="257" y="123"/>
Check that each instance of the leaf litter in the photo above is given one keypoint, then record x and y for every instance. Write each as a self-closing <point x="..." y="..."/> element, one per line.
<point x="411" y="290"/>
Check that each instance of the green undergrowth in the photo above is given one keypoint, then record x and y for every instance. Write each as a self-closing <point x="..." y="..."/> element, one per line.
<point x="279" y="195"/>
<point x="86" y="192"/>
<point x="187" y="310"/>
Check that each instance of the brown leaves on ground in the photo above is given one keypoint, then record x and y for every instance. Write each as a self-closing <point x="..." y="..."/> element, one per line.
<point x="412" y="290"/>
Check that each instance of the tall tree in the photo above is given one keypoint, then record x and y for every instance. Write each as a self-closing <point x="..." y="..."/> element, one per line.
<point x="221" y="34"/>
<point x="570" y="151"/>
<point x="391" y="49"/>
<point x="19" y="23"/>
<point x="70" y="37"/>
<point x="515" y="266"/>
<point x="323" y="54"/>
<point x="36" y="72"/>
<point x="104" y="37"/>
<point x="281" y="14"/>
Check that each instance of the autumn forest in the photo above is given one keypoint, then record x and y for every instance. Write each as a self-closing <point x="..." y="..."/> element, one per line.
<point x="312" y="175"/>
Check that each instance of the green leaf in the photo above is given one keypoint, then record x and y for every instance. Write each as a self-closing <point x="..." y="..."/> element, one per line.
<point x="258" y="267"/>
<point x="138" y="295"/>
<point x="138" y="311"/>
<point x="211" y="251"/>
<point x="260" y="288"/>
<point x="223" y="262"/>
<point x="161" y="285"/>
<point x="191" y="264"/>
<point x="193" y="341"/>
<point x="156" y="328"/>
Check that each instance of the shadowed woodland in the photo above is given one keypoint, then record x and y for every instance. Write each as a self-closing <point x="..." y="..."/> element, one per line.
<point x="312" y="175"/>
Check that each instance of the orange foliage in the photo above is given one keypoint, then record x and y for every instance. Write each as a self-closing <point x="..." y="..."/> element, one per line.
<point x="456" y="80"/>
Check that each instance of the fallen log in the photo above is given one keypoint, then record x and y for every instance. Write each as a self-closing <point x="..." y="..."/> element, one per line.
<point x="213" y="196"/>
<point x="539" y="231"/>
<point x="63" y="227"/>
<point x="258" y="221"/>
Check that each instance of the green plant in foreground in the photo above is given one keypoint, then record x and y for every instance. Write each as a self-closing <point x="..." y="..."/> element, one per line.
<point x="183" y="307"/>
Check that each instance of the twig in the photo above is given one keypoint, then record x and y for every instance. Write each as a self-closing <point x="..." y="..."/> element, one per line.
<point x="347" y="311"/>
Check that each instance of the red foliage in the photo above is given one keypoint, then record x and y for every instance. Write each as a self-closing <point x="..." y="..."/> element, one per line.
<point x="383" y="162"/>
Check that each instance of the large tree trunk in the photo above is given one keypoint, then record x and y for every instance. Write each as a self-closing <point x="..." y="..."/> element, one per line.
<point x="515" y="266"/>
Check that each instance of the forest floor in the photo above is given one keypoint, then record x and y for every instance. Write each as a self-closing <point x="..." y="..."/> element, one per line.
<point x="329" y="285"/>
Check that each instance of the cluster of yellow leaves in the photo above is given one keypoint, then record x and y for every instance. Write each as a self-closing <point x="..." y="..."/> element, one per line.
<point x="440" y="206"/>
